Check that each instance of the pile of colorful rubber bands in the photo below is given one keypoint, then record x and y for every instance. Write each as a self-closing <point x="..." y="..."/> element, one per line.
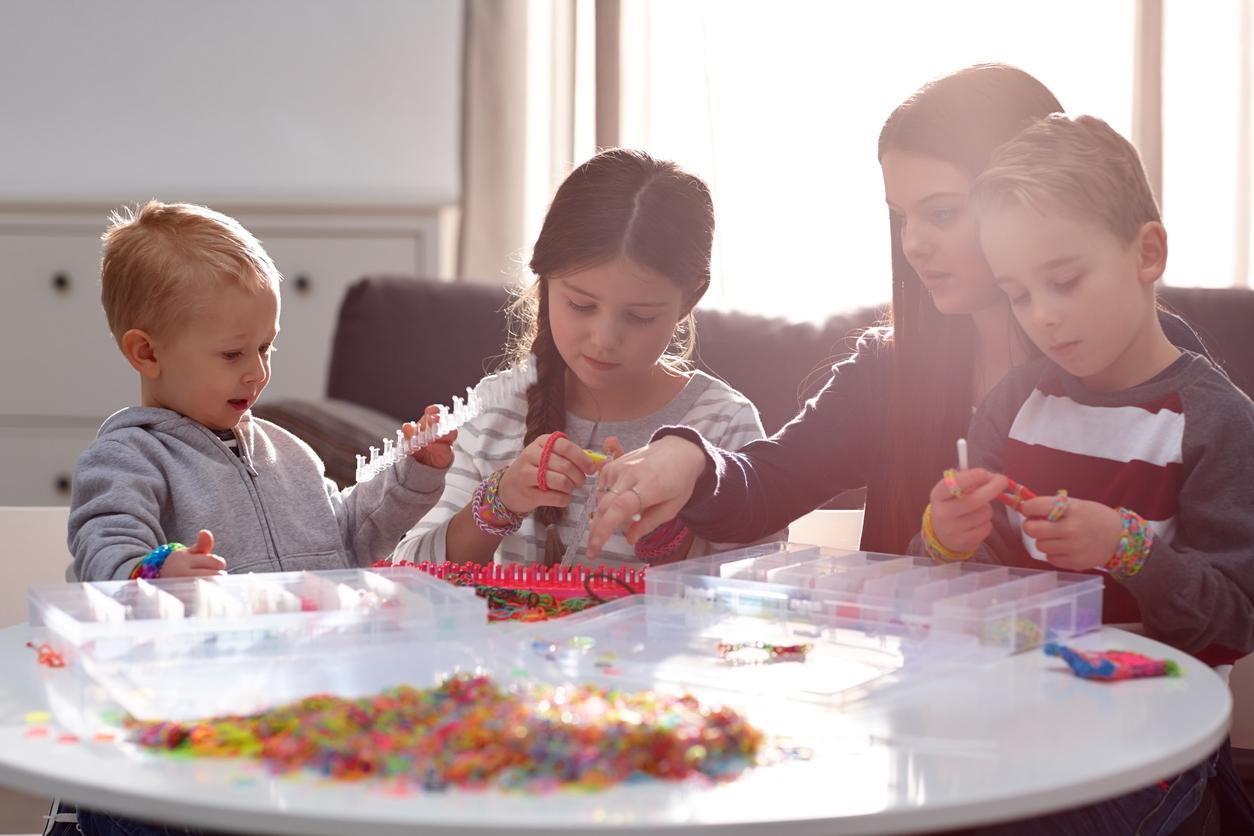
<point x="470" y="732"/>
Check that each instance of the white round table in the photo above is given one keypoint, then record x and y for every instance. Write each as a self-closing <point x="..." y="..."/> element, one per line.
<point x="1014" y="738"/>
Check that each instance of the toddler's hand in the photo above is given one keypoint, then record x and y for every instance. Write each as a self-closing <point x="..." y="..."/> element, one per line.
<point x="962" y="523"/>
<point x="1084" y="537"/>
<point x="197" y="562"/>
<point x="437" y="454"/>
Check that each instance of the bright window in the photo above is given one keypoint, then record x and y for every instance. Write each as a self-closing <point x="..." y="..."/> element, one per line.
<point x="779" y="106"/>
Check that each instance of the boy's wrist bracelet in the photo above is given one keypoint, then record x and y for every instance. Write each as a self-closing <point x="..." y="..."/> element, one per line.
<point x="150" y="566"/>
<point x="935" y="548"/>
<point x="489" y="513"/>
<point x="1136" y="540"/>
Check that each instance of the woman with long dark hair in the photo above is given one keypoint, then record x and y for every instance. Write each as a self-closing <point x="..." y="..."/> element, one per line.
<point x="888" y="417"/>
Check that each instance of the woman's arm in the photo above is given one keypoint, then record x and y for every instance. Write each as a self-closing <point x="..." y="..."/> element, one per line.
<point x="742" y="496"/>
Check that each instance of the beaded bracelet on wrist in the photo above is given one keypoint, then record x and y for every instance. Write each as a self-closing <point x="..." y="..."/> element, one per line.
<point x="935" y="548"/>
<point x="489" y="513"/>
<point x="662" y="541"/>
<point x="1135" y="543"/>
<point x="152" y="563"/>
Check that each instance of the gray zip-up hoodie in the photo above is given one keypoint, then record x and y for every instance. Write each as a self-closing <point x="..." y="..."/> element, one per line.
<point x="153" y="476"/>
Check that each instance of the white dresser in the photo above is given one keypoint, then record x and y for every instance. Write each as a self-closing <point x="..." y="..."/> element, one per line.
<point x="330" y="129"/>
<point x="60" y="371"/>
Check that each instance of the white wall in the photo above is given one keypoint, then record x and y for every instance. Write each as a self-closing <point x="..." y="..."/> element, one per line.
<point x="290" y="100"/>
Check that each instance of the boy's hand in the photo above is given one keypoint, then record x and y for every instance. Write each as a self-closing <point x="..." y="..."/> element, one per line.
<point x="197" y="562"/>
<point x="1084" y="538"/>
<point x="437" y="454"/>
<point x="962" y="523"/>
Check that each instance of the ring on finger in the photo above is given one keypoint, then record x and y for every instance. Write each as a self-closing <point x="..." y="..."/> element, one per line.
<point x="1059" y="509"/>
<point x="636" y="516"/>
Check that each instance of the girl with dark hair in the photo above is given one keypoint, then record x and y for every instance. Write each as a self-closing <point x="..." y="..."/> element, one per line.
<point x="622" y="259"/>
<point x="888" y="417"/>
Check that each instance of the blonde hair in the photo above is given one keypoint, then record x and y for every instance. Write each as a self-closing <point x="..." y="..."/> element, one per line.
<point x="1079" y="165"/>
<point x="158" y="257"/>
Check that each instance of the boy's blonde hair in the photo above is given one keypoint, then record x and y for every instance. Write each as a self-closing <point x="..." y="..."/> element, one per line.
<point x="159" y="257"/>
<point x="1080" y="166"/>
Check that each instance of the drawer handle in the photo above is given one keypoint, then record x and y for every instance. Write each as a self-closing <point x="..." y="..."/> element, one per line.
<point x="303" y="283"/>
<point x="61" y="281"/>
<point x="62" y="484"/>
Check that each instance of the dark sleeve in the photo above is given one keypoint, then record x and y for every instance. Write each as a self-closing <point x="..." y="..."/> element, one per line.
<point x="745" y="495"/>
<point x="1181" y="333"/>
<point x="1197" y="589"/>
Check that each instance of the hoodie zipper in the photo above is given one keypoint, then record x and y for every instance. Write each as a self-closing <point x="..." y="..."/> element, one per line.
<point x="246" y="458"/>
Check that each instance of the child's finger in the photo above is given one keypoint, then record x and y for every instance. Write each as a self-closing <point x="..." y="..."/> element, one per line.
<point x="972" y="478"/>
<point x="613" y="447"/>
<point x="1040" y="528"/>
<point x="565" y="449"/>
<point x="563" y="474"/>
<point x="1038" y="507"/>
<point x="204" y="542"/>
<point x="986" y="491"/>
<point x="208" y="562"/>
<point x="203" y="573"/>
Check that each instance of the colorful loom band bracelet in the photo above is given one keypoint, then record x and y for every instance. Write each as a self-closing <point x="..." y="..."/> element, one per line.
<point x="762" y="653"/>
<point x="489" y="513"/>
<point x="935" y="547"/>
<point x="1136" y="541"/>
<point x="1059" y="509"/>
<point x="150" y="566"/>
<point x="662" y="541"/>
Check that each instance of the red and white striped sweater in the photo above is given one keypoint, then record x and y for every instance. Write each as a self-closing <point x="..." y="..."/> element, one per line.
<point x="1178" y="450"/>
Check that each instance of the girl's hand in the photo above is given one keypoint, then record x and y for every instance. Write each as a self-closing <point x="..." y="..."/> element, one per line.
<point x="197" y="562"/>
<point x="653" y="483"/>
<point x="1084" y="538"/>
<point x="568" y="468"/>
<point x="437" y="454"/>
<point x="962" y="523"/>
<point x="613" y="448"/>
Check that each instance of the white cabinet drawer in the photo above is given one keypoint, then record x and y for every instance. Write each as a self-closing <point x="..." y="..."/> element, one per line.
<point x="316" y="272"/>
<point x="37" y="464"/>
<point x="58" y="356"/>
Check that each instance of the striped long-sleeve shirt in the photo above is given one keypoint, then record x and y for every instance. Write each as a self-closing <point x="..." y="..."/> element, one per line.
<point x="1178" y="450"/>
<point x="495" y="439"/>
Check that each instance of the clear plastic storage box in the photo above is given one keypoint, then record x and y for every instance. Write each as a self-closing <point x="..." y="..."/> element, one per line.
<point x="983" y="608"/>
<point x="191" y="647"/>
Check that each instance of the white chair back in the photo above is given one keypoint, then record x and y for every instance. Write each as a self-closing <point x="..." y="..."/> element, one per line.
<point x="836" y="529"/>
<point x="34" y="552"/>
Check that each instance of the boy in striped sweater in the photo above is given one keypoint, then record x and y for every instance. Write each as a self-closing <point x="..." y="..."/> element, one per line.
<point x="1153" y="445"/>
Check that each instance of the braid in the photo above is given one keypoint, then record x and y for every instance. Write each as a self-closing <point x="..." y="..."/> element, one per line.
<point x="546" y="413"/>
